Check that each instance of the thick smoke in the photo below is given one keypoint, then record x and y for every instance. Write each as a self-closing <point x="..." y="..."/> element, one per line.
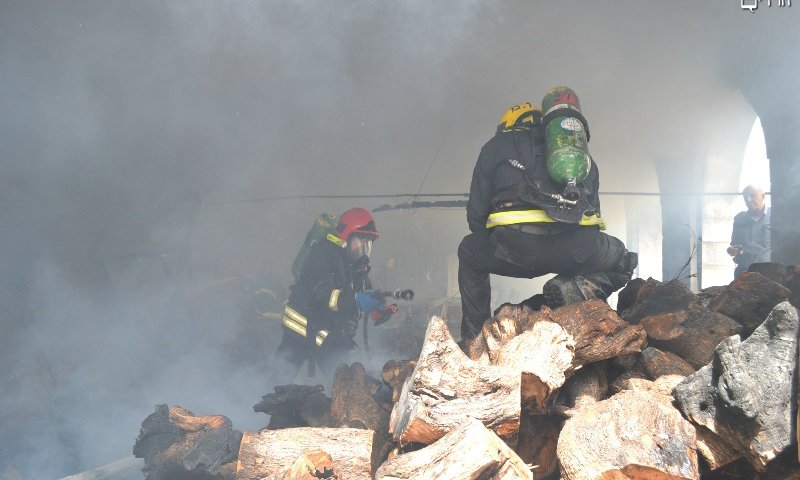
<point x="129" y="131"/>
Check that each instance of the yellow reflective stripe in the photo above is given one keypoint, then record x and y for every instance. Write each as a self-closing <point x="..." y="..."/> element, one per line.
<point x="336" y="240"/>
<point x="297" y="323"/>
<point x="514" y="217"/>
<point x="333" y="303"/>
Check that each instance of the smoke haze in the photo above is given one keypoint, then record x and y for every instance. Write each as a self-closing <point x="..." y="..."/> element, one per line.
<point x="130" y="131"/>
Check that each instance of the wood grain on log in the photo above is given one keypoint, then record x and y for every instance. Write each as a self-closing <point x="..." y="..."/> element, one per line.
<point x="469" y="452"/>
<point x="395" y="374"/>
<point x="634" y="435"/>
<point x="749" y="299"/>
<point x="272" y="454"/>
<point x="352" y="403"/>
<point x="745" y="395"/>
<point x="446" y="388"/>
<point x="715" y="450"/>
<point x="311" y="465"/>
<point x="599" y="332"/>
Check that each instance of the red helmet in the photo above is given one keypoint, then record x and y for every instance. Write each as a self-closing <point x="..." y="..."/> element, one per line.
<point x="356" y="220"/>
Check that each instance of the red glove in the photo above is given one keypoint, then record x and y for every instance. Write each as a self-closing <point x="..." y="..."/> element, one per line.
<point x="383" y="315"/>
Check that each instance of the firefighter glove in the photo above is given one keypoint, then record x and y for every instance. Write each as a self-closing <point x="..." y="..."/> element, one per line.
<point x="367" y="302"/>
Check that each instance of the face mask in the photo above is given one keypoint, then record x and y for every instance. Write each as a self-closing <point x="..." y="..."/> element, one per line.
<point x="359" y="247"/>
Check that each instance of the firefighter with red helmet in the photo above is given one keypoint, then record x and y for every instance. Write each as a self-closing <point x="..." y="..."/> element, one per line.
<point x="332" y="290"/>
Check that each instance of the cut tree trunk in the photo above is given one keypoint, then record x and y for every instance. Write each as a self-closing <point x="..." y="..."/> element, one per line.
<point x="633" y="434"/>
<point x="629" y="295"/>
<point x="353" y="404"/>
<point x="749" y="299"/>
<point x="589" y="385"/>
<point x="599" y="332"/>
<point x="538" y="438"/>
<point x="657" y="364"/>
<point x="654" y="298"/>
<point x="745" y="395"/>
<point x="715" y="450"/>
<point x="296" y="406"/>
<point x="395" y="374"/>
<point x="469" y="452"/>
<point x="274" y="454"/>
<point x="691" y="334"/>
<point x="446" y="387"/>
<point x="175" y="443"/>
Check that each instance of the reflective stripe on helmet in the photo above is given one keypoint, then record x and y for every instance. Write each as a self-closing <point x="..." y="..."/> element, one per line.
<point x="297" y="323"/>
<point x="333" y="302"/>
<point x="514" y="217"/>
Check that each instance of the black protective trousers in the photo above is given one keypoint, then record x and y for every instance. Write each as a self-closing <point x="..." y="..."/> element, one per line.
<point x="295" y="350"/>
<point x="510" y="252"/>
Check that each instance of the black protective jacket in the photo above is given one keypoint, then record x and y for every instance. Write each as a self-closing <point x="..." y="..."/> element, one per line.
<point x="325" y="294"/>
<point x="497" y="180"/>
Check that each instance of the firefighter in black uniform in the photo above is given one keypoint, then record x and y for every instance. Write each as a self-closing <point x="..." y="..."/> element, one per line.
<point x="511" y="210"/>
<point x="332" y="291"/>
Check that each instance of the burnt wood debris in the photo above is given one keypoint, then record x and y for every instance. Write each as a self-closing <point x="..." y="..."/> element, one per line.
<point x="671" y="385"/>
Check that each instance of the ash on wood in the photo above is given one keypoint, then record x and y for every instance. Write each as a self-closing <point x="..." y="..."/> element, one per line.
<point x="278" y="453"/>
<point x="295" y="406"/>
<point x="469" y="452"/>
<point x="630" y="435"/>
<point x="745" y="395"/>
<point x="176" y="444"/>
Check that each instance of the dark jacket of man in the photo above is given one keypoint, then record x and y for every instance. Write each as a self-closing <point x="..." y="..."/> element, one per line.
<point x="754" y="235"/>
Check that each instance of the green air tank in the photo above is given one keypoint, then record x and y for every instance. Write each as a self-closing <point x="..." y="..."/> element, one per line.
<point x="566" y="137"/>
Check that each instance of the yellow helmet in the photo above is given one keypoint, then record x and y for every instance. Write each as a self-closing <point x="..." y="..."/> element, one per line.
<point x="522" y="116"/>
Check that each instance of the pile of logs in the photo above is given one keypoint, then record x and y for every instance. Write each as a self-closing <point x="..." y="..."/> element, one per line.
<point x="672" y="385"/>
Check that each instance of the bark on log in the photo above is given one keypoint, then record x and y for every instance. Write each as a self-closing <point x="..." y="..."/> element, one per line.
<point x="296" y="406"/>
<point x="395" y="374"/>
<point x="273" y="454"/>
<point x="353" y="404"/>
<point x="446" y="388"/>
<point x="620" y="383"/>
<point x="657" y="364"/>
<point x="777" y="272"/>
<point x="628" y="296"/>
<point x="749" y="299"/>
<point x="174" y="443"/>
<point x="654" y="298"/>
<point x="538" y="437"/>
<point x="745" y="395"/>
<point x="469" y="452"/>
<point x="632" y="435"/>
<point x="691" y="334"/>
<point x="599" y="332"/>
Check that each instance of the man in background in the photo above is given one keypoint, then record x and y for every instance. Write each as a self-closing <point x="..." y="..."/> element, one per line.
<point x="750" y="240"/>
